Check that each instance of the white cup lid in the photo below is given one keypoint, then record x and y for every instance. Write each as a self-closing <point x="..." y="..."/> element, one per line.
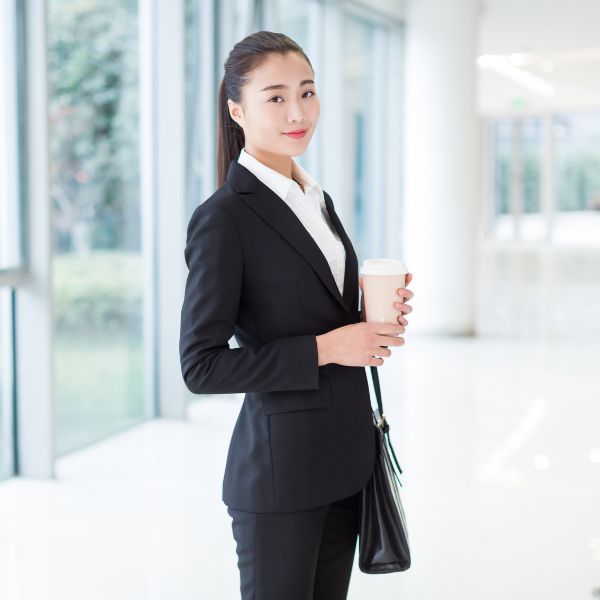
<point x="383" y="266"/>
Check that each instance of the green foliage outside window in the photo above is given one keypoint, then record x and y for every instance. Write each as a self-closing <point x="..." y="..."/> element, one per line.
<point x="93" y="105"/>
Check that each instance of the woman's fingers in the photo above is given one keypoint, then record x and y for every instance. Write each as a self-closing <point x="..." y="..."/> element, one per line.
<point x="405" y="294"/>
<point x="405" y="308"/>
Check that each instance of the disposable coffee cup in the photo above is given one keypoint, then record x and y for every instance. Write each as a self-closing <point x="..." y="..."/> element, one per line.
<point x="381" y="279"/>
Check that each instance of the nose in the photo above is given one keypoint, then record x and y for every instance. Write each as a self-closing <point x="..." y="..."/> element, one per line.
<point x="295" y="113"/>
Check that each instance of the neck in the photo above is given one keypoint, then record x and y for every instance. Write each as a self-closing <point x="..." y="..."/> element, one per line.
<point x="278" y="162"/>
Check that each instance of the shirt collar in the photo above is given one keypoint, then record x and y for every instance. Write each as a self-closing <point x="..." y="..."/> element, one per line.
<point x="279" y="183"/>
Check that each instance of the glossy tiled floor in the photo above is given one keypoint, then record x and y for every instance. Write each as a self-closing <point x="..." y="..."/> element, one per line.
<point x="500" y="446"/>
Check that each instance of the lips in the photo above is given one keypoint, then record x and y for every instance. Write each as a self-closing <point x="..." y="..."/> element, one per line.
<point x="296" y="134"/>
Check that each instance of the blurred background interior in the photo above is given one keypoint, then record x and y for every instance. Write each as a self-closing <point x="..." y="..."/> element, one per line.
<point x="462" y="136"/>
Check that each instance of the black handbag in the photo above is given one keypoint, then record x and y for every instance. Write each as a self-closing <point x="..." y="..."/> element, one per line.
<point x="383" y="536"/>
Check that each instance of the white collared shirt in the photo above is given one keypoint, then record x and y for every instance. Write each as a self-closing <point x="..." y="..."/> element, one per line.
<point x="308" y="206"/>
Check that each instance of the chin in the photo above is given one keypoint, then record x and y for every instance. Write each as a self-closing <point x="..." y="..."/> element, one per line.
<point x="299" y="151"/>
<point x="294" y="149"/>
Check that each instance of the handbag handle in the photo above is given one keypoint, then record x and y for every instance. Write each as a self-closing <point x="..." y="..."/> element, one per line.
<point x="382" y="421"/>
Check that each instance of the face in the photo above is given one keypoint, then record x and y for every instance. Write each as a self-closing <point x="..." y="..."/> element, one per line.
<point x="290" y="103"/>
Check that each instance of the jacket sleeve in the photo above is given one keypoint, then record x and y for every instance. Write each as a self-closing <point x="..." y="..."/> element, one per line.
<point x="214" y="257"/>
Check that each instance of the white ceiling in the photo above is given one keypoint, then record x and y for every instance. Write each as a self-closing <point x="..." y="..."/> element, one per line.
<point x="555" y="62"/>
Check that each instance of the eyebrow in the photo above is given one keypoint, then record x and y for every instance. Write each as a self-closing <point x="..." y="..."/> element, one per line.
<point x="281" y="86"/>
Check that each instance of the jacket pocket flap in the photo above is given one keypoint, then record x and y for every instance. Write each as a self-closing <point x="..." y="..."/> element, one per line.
<point x="289" y="400"/>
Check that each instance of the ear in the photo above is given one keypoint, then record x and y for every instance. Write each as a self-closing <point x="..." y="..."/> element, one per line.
<point x="235" y="111"/>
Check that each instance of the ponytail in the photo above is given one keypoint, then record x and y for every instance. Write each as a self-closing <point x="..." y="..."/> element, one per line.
<point x="230" y="137"/>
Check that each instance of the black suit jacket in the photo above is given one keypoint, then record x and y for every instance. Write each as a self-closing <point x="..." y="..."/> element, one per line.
<point x="304" y="435"/>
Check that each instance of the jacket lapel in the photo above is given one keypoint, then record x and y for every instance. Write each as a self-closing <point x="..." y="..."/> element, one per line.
<point x="276" y="213"/>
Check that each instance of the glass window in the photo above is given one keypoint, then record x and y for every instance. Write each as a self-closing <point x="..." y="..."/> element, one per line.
<point x="97" y="263"/>
<point x="531" y="134"/>
<point x="577" y="138"/>
<point x="357" y="87"/>
<point x="293" y="19"/>
<point x="516" y="155"/>
<point x="517" y="179"/>
<point x="502" y="145"/>
<point x="570" y="155"/>
<point x="199" y="106"/>
<point x="364" y="170"/>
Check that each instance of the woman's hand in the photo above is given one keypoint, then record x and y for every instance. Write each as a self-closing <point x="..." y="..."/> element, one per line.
<point x="401" y="306"/>
<point x="359" y="344"/>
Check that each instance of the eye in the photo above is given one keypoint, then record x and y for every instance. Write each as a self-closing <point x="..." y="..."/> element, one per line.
<point x="307" y="92"/>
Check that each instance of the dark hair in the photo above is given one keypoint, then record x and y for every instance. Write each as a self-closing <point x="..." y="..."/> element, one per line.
<point x="245" y="56"/>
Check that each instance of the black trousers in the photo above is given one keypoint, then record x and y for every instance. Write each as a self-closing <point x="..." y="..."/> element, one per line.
<point x="302" y="555"/>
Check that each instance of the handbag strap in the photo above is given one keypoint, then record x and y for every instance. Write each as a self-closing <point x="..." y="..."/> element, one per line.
<point x="385" y="427"/>
<point x="377" y="388"/>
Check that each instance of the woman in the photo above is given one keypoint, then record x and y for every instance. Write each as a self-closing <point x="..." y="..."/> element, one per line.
<point x="270" y="263"/>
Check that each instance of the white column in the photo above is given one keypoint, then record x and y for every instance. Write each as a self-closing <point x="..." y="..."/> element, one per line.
<point x="162" y="134"/>
<point x="441" y="163"/>
<point x="170" y="196"/>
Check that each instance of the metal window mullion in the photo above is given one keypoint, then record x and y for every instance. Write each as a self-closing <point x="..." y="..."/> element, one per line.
<point x="21" y="126"/>
<point x="8" y="434"/>
<point x="147" y="158"/>
<point x="33" y="310"/>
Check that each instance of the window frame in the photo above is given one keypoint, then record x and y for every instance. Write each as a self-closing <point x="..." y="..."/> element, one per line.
<point x="14" y="277"/>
